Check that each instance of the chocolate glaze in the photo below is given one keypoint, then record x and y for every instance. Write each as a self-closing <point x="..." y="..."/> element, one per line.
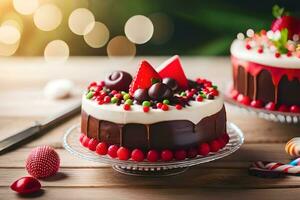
<point x="175" y="134"/>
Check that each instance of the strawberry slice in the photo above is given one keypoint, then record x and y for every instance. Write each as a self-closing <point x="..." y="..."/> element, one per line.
<point x="171" y="68"/>
<point x="145" y="77"/>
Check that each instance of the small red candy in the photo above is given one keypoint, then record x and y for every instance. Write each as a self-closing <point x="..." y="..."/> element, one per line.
<point x="85" y="141"/>
<point x="101" y="148"/>
<point x="165" y="107"/>
<point x="159" y="105"/>
<point x="180" y="154"/>
<point x="270" y="106"/>
<point x="152" y="156"/>
<point x="137" y="155"/>
<point x="214" y="146"/>
<point x="166" y="155"/>
<point x="106" y="99"/>
<point x="283" y="108"/>
<point x="146" y="108"/>
<point x="248" y="46"/>
<point x="93" y="144"/>
<point x="123" y="153"/>
<point x="289" y="54"/>
<point x="277" y="54"/>
<point x="256" y="103"/>
<point x="178" y="106"/>
<point x="214" y="92"/>
<point x="26" y="185"/>
<point x="114" y="92"/>
<point x="203" y="149"/>
<point x="199" y="98"/>
<point x="112" y="151"/>
<point x="295" y="109"/>
<point x="126" y="107"/>
<point x="260" y="50"/>
<point x="192" y="153"/>
<point x="243" y="99"/>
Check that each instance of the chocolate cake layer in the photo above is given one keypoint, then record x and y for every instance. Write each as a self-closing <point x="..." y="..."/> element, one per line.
<point x="175" y="134"/>
<point x="262" y="87"/>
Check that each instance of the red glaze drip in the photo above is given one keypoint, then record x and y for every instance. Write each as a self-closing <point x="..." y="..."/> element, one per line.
<point x="254" y="69"/>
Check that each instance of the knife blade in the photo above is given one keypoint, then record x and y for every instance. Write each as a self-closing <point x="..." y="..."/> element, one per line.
<point x="39" y="127"/>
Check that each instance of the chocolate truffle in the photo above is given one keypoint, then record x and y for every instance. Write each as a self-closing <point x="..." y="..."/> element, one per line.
<point x="159" y="91"/>
<point x="141" y="95"/>
<point x="172" y="83"/>
<point x="118" y="80"/>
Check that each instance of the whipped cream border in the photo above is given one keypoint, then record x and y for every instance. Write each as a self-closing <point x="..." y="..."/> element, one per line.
<point x="268" y="58"/>
<point x="111" y="112"/>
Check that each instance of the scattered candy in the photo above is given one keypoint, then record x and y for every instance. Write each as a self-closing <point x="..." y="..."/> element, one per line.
<point x="58" y="89"/>
<point x="42" y="162"/>
<point x="26" y="185"/>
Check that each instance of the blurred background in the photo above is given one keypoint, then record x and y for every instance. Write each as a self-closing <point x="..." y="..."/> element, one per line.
<point x="56" y="28"/>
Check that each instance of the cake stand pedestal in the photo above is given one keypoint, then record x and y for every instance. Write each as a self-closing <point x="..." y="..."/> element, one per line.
<point x="160" y="168"/>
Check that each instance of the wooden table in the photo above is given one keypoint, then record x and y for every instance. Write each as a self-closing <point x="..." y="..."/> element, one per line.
<point x="22" y="102"/>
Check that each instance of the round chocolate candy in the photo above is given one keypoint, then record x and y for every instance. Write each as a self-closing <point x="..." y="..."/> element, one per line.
<point x="118" y="80"/>
<point x="159" y="91"/>
<point x="172" y="83"/>
<point x="141" y="95"/>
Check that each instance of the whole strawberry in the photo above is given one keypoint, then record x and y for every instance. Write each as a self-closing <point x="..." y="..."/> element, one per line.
<point x="42" y="162"/>
<point x="284" y="20"/>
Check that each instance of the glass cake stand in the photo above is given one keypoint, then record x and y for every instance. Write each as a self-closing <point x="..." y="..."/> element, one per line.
<point x="160" y="168"/>
<point x="276" y="116"/>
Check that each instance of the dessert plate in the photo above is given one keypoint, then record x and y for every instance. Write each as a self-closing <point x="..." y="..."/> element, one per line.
<point x="160" y="168"/>
<point x="276" y="116"/>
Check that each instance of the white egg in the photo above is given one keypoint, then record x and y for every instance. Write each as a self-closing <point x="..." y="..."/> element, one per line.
<point x="58" y="89"/>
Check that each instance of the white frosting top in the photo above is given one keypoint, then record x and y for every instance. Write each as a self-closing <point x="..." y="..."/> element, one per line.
<point x="268" y="58"/>
<point x="116" y="114"/>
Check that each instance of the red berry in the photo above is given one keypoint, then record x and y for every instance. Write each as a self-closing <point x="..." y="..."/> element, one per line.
<point x="144" y="77"/>
<point x="180" y="154"/>
<point x="260" y="50"/>
<point x="214" y="146"/>
<point x="270" y="106"/>
<point x="101" y="148"/>
<point x="243" y="99"/>
<point x="159" y="105"/>
<point x="123" y="153"/>
<point x="172" y="69"/>
<point x="248" y="46"/>
<point x="137" y="155"/>
<point x="126" y="106"/>
<point x="112" y="151"/>
<point x="166" y="155"/>
<point x="277" y="54"/>
<point x="178" y="106"/>
<point x="225" y="138"/>
<point x="203" y="149"/>
<point x="93" y="144"/>
<point x="199" y="98"/>
<point x="192" y="153"/>
<point x="146" y="108"/>
<point x="295" y="109"/>
<point x="221" y="143"/>
<point x="85" y="141"/>
<point x="152" y="156"/>
<point x="283" y="108"/>
<point x="81" y="137"/>
<point x="165" y="107"/>
<point x="289" y="54"/>
<point x="257" y="104"/>
<point x="26" y="185"/>
<point x="234" y="94"/>
<point x="106" y="99"/>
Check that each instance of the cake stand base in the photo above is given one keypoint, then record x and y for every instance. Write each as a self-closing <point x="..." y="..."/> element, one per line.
<point x="149" y="172"/>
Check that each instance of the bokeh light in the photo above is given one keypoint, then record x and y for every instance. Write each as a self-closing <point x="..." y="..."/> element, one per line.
<point x="81" y="21"/>
<point x="163" y="28"/>
<point x="25" y="7"/>
<point x="47" y="17"/>
<point x="98" y="36"/>
<point x="120" y="46"/>
<point x="8" y="49"/>
<point x="14" y="23"/>
<point x="139" y="29"/>
<point x="56" y="51"/>
<point x="9" y="34"/>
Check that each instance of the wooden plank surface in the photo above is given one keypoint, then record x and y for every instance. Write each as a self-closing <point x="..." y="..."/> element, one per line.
<point x="22" y="102"/>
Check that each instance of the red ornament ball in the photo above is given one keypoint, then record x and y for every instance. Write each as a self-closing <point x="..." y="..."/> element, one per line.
<point x="42" y="162"/>
<point x="93" y="144"/>
<point x="26" y="185"/>
<point x="137" y="155"/>
<point x="152" y="156"/>
<point x="101" y="148"/>
<point x="166" y="155"/>
<point x="180" y="154"/>
<point x="112" y="151"/>
<point x="123" y="153"/>
<point x="203" y="149"/>
<point x="214" y="146"/>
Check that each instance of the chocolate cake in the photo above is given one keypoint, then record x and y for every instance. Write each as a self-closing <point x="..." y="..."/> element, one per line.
<point x="266" y="66"/>
<point x="158" y="112"/>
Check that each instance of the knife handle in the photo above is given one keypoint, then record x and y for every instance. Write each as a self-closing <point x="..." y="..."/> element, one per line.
<point x="19" y="137"/>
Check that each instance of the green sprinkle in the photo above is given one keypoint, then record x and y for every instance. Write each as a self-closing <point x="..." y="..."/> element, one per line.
<point x="182" y="94"/>
<point x="166" y="101"/>
<point x="114" y="100"/>
<point x="126" y="96"/>
<point x="203" y="95"/>
<point x="128" y="101"/>
<point x="215" y="87"/>
<point x="123" y="93"/>
<point x="146" y="103"/>
<point x="90" y="94"/>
